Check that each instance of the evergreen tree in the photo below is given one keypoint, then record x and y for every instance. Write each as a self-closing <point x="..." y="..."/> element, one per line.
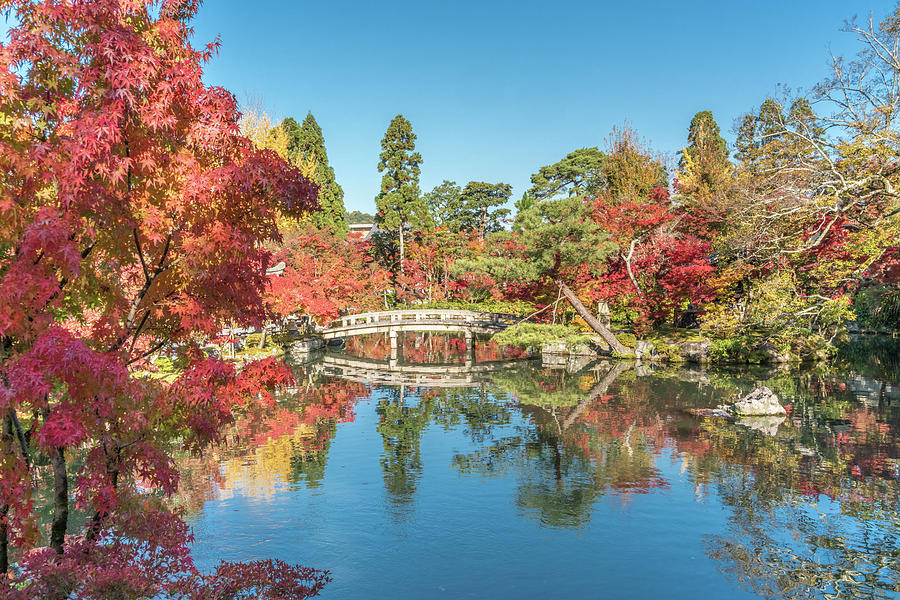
<point x="704" y="139"/>
<point x="745" y="144"/>
<point x="306" y="148"/>
<point x="479" y="201"/>
<point x="704" y="171"/>
<point x="524" y="203"/>
<point x="580" y="173"/>
<point x="400" y="203"/>
<point x="292" y="129"/>
<point x="444" y="205"/>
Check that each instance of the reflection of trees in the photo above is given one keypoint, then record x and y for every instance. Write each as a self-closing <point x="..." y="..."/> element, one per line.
<point x="474" y="408"/>
<point x="283" y="444"/>
<point x="581" y="445"/>
<point x="401" y="423"/>
<point x="792" y="551"/>
<point x="782" y="541"/>
<point x="813" y="508"/>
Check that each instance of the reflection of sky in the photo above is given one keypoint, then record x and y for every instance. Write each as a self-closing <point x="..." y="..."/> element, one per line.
<point x="641" y="504"/>
<point x="463" y="536"/>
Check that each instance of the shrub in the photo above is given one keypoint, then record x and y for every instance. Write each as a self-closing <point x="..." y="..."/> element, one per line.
<point x="535" y="335"/>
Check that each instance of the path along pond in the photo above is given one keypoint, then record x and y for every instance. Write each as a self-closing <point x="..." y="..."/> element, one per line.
<point x="529" y="480"/>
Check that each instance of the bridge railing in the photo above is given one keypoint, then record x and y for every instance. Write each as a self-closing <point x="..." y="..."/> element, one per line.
<point x="395" y="316"/>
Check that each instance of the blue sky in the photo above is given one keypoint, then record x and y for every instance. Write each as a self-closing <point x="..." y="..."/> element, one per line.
<point x="495" y="89"/>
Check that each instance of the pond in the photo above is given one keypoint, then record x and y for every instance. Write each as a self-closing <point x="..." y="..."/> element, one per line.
<point x="533" y="480"/>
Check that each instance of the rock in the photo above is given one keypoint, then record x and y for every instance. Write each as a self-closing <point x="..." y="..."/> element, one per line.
<point x="643" y="370"/>
<point x="572" y="363"/>
<point x="301" y="349"/>
<point x="644" y="350"/>
<point x="773" y="355"/>
<point x="760" y="402"/>
<point x="697" y="352"/>
<point x="561" y="349"/>
<point x="768" y="425"/>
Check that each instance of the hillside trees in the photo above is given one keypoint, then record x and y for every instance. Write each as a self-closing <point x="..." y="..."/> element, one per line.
<point x="134" y="218"/>
<point x="355" y="217"/>
<point x="400" y="203"/>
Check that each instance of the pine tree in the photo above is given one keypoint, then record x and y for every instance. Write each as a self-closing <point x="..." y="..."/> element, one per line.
<point x="472" y="208"/>
<point x="400" y="203"/>
<point x="480" y="201"/>
<point x="580" y="173"/>
<point x="444" y="205"/>
<point x="306" y="147"/>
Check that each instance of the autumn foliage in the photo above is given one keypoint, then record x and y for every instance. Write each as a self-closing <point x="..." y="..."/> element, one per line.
<point x="133" y="218"/>
<point x="661" y="267"/>
<point x="324" y="276"/>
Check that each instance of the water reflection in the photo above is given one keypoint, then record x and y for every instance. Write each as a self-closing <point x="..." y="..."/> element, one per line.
<point x="812" y="500"/>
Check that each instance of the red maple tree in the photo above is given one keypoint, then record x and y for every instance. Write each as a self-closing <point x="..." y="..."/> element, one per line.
<point x="325" y="276"/>
<point x="661" y="266"/>
<point x="133" y="218"/>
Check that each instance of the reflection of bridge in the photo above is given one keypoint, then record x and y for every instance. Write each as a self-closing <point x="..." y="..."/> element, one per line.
<point x="366" y="370"/>
<point x="443" y="320"/>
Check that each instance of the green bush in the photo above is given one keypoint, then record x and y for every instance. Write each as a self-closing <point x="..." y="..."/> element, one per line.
<point x="535" y="335"/>
<point x="518" y="307"/>
<point x="168" y="366"/>
<point x="733" y="349"/>
<point x="629" y="340"/>
<point x="273" y="341"/>
<point x="669" y="352"/>
<point x="878" y="308"/>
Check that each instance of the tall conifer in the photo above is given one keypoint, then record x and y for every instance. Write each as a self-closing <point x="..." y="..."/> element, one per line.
<point x="400" y="203"/>
<point x="306" y="145"/>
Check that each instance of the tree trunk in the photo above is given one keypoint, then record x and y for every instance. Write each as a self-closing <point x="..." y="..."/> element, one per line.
<point x="401" y="249"/>
<point x="7" y="440"/>
<point x="596" y="394"/>
<point x="262" y="338"/>
<point x="60" y="500"/>
<point x="592" y="321"/>
<point x="4" y="541"/>
<point x="627" y="260"/>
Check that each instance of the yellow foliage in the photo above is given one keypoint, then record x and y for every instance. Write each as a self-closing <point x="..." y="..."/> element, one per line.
<point x="259" y="129"/>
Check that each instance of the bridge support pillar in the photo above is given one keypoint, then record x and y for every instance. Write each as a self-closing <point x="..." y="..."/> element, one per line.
<point x="470" y="349"/>
<point x="392" y="335"/>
